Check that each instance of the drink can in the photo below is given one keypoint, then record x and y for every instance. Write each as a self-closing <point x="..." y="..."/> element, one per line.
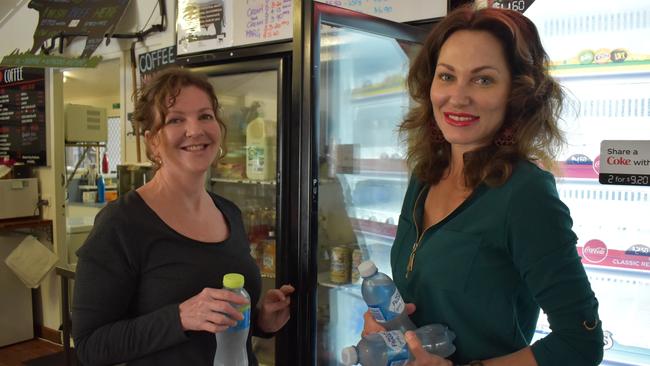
<point x="340" y="265"/>
<point x="357" y="258"/>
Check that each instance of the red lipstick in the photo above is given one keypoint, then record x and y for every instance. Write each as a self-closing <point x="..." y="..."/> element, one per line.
<point x="460" y="119"/>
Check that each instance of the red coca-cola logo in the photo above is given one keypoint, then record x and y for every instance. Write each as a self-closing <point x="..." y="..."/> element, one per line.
<point x="594" y="251"/>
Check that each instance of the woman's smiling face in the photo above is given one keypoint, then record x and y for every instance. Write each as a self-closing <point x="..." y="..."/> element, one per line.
<point x="470" y="89"/>
<point x="189" y="138"/>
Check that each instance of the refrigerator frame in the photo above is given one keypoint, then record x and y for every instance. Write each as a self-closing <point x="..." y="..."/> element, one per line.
<point x="303" y="266"/>
<point x="273" y="57"/>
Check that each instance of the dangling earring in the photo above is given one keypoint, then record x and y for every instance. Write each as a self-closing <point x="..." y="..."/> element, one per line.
<point x="436" y="134"/>
<point x="506" y="137"/>
<point x="221" y="154"/>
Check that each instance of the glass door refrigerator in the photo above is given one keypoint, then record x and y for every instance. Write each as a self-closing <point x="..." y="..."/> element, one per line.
<point x="353" y="96"/>
<point x="601" y="55"/>
<point x="253" y="103"/>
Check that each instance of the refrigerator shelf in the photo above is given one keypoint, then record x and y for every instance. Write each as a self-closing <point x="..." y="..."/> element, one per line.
<point x="377" y="95"/>
<point x="243" y="181"/>
<point x="324" y="280"/>
<point x="387" y="165"/>
<point x="595" y="70"/>
<point x="374" y="227"/>
<point x="384" y="166"/>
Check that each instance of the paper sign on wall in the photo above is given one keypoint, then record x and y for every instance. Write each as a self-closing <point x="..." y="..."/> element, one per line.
<point x="625" y="162"/>
<point x="395" y="10"/>
<point x="264" y="20"/>
<point x="204" y="25"/>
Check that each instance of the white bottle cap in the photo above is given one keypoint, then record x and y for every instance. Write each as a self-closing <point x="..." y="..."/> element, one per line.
<point x="349" y="356"/>
<point x="367" y="269"/>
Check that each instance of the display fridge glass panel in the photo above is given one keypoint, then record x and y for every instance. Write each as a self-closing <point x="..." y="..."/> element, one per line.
<point x="601" y="55"/>
<point x="246" y="172"/>
<point x="362" y="172"/>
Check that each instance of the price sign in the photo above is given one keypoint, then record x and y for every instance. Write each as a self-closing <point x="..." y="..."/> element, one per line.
<point x="625" y="163"/>
<point x="517" y="5"/>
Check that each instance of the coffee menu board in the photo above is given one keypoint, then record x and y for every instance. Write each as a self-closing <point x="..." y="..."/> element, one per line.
<point x="22" y="115"/>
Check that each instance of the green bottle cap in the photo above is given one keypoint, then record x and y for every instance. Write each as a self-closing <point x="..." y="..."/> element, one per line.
<point x="233" y="280"/>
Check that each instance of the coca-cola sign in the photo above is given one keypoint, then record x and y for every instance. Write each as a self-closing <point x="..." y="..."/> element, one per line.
<point x="594" y="251"/>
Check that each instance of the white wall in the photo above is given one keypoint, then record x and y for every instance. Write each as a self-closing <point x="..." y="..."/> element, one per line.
<point x="51" y="179"/>
<point x="16" y="33"/>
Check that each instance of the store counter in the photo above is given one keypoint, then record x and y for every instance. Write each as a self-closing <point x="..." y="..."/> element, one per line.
<point x="80" y="218"/>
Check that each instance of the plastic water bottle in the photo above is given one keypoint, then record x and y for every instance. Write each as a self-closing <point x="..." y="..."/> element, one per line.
<point x="390" y="348"/>
<point x="384" y="301"/>
<point x="231" y="343"/>
<point x="101" y="189"/>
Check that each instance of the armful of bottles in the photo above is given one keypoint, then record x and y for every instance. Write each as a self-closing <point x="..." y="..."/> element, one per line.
<point x="388" y="309"/>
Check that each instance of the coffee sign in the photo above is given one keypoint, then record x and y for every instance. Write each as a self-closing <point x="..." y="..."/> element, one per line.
<point x="150" y="62"/>
<point x="22" y="115"/>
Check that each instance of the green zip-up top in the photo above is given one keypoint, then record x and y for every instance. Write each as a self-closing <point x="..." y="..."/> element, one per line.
<point x="487" y="268"/>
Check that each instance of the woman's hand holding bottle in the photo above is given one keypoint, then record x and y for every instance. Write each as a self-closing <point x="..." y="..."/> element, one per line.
<point x="211" y="310"/>
<point x="422" y="357"/>
<point x="370" y="325"/>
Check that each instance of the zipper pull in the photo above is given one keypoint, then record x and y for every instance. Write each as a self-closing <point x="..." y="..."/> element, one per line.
<point x="411" y="262"/>
<point x="409" y="267"/>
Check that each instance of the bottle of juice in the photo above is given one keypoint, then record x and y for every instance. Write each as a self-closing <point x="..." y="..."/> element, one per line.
<point x="268" y="255"/>
<point x="260" y="149"/>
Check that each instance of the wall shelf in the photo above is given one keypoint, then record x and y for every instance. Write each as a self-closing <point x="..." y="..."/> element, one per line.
<point x="30" y="224"/>
<point x="85" y="143"/>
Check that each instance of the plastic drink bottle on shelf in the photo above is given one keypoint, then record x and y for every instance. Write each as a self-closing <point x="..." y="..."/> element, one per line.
<point x="268" y="255"/>
<point x="101" y="189"/>
<point x="105" y="164"/>
<point x="390" y="348"/>
<point x="231" y="343"/>
<point x="384" y="301"/>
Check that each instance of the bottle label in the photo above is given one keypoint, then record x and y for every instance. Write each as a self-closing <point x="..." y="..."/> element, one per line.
<point x="396" y="346"/>
<point x="376" y="312"/>
<point x="397" y="363"/>
<point x="256" y="159"/>
<point x="388" y="310"/>
<point x="244" y="323"/>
